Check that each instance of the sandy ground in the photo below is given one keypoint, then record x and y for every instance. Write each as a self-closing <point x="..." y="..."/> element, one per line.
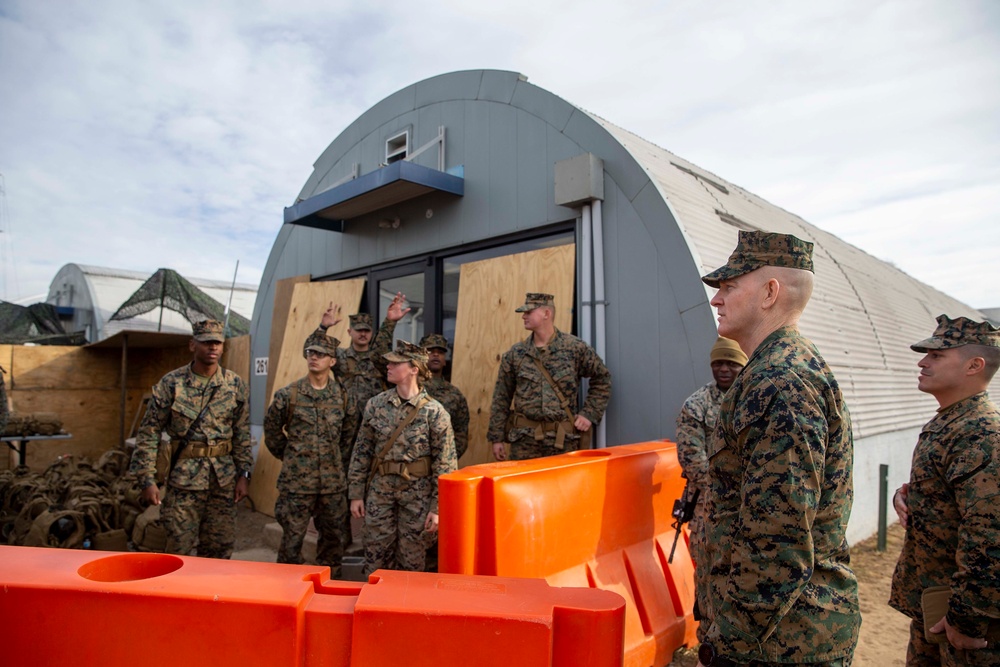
<point x="884" y="631"/>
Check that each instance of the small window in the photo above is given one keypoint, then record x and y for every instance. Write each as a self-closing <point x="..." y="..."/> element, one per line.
<point x="397" y="147"/>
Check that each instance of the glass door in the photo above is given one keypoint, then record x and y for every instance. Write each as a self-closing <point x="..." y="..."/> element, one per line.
<point x="412" y="280"/>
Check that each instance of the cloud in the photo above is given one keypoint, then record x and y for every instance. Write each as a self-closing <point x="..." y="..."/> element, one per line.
<point x="141" y="135"/>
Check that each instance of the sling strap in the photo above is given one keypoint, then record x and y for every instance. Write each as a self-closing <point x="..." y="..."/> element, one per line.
<point x="561" y="429"/>
<point x="377" y="462"/>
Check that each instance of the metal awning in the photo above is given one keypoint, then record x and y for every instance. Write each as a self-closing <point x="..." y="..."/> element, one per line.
<point x="392" y="184"/>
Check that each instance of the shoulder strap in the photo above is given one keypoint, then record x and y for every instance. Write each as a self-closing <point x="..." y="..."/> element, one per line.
<point x="563" y="401"/>
<point x="187" y="435"/>
<point x="395" y="434"/>
<point x="293" y="396"/>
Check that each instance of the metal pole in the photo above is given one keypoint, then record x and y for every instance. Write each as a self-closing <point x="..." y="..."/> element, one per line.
<point x="121" y="419"/>
<point x="229" y="303"/>
<point x="883" y="504"/>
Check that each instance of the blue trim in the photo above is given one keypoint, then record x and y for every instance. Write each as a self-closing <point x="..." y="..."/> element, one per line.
<point x="306" y="211"/>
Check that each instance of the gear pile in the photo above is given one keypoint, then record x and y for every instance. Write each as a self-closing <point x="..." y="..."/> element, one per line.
<point x="77" y="504"/>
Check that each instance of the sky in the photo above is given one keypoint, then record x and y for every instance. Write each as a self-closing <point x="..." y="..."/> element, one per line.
<point x="140" y="135"/>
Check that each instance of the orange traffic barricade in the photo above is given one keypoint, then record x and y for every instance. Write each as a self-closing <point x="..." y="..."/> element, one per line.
<point x="596" y="518"/>
<point x="83" y="608"/>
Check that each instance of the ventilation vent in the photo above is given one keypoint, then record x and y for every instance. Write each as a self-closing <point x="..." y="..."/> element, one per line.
<point x="397" y="147"/>
<point x="730" y="219"/>
<point x="701" y="177"/>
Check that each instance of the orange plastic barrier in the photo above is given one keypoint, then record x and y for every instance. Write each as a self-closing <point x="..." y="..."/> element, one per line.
<point x="82" y="608"/>
<point x="597" y="518"/>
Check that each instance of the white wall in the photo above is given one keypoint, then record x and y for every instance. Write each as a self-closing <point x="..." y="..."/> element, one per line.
<point x="894" y="449"/>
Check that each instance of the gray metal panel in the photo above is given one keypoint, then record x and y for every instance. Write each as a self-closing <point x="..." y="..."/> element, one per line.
<point x="333" y="154"/>
<point x="532" y="175"/>
<point x="454" y="86"/>
<point x="672" y="248"/>
<point x="502" y="132"/>
<point x="477" y="159"/>
<point x="498" y="86"/>
<point x="545" y="105"/>
<point x="388" y="110"/>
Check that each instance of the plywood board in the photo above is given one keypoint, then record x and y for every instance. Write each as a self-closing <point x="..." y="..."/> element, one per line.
<point x="486" y="325"/>
<point x="236" y="356"/>
<point x="306" y="307"/>
<point x="90" y="415"/>
<point x="279" y="317"/>
<point x="64" y="367"/>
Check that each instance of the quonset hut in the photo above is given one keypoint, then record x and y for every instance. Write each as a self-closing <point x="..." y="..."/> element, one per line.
<point x="476" y="168"/>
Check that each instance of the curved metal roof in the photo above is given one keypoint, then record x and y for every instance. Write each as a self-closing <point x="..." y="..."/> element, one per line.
<point x="864" y="312"/>
<point x="96" y="292"/>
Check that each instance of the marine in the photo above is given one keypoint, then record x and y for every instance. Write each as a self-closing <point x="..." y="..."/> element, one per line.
<point x="302" y="429"/>
<point x="535" y="396"/>
<point x="204" y="410"/>
<point x="404" y="444"/>
<point x="951" y="505"/>
<point x="695" y="425"/>
<point x="780" y="475"/>
<point x="444" y="392"/>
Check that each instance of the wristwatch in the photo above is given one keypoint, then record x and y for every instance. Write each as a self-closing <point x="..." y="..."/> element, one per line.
<point x="245" y="475"/>
<point x="708" y="657"/>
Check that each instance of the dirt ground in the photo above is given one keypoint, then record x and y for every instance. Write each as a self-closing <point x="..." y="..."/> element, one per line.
<point x="884" y="631"/>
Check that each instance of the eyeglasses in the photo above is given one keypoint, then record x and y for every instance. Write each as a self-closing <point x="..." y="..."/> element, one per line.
<point x="314" y="353"/>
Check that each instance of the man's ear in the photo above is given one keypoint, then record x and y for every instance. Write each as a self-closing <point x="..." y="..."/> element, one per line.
<point x="975" y="365"/>
<point x="191" y="345"/>
<point x="771" y="290"/>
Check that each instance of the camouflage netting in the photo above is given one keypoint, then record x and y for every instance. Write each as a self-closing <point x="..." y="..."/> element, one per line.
<point x="74" y="504"/>
<point x="168" y="289"/>
<point x="37" y="323"/>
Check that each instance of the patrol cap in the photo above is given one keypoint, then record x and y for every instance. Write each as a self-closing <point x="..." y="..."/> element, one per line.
<point x="361" y="321"/>
<point x="318" y="342"/>
<point x="757" y="249"/>
<point x="728" y="350"/>
<point x="434" y="341"/>
<point x="209" y="330"/>
<point x="958" y="332"/>
<point x="534" y="300"/>
<point x="407" y="352"/>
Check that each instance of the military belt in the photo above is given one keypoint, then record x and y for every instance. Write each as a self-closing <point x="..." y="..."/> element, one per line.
<point x="561" y="429"/>
<point x="411" y="470"/>
<point x="210" y="449"/>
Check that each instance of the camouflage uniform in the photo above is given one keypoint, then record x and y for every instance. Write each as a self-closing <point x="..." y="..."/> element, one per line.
<point x="395" y="507"/>
<point x="780" y="469"/>
<point x="781" y="488"/>
<point x="4" y="410"/>
<point x="567" y="358"/>
<point x="953" y="533"/>
<point x="362" y="375"/>
<point x="199" y="510"/>
<point x="454" y="402"/>
<point x="312" y="482"/>
<point x="695" y="424"/>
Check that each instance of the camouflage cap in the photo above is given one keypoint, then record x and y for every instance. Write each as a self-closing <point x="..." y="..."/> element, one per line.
<point x="317" y="342"/>
<point x="757" y="249"/>
<point x="361" y="321"/>
<point x="728" y="350"/>
<point x="534" y="300"/>
<point x="406" y="351"/>
<point x="958" y="332"/>
<point x="434" y="341"/>
<point x="207" y="330"/>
